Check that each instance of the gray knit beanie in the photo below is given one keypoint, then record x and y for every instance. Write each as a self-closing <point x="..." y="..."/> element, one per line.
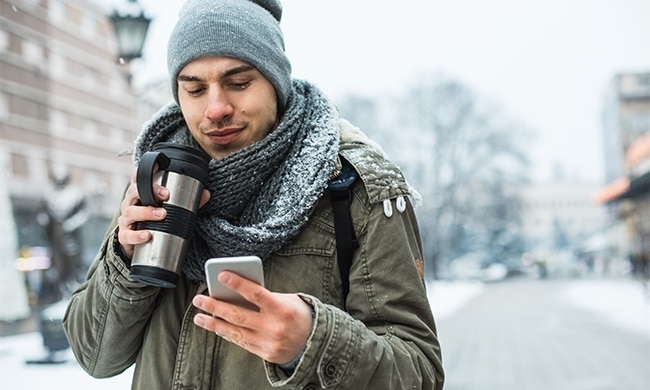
<point x="248" y="30"/>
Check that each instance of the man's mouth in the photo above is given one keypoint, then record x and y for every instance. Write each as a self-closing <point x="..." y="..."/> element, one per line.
<point x="224" y="136"/>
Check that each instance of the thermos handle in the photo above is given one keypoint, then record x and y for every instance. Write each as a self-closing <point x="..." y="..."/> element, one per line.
<point x="144" y="177"/>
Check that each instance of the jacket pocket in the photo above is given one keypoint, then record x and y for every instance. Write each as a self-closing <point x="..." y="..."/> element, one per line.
<point x="307" y="264"/>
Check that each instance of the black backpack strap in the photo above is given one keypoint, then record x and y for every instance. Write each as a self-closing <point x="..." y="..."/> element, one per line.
<point x="346" y="241"/>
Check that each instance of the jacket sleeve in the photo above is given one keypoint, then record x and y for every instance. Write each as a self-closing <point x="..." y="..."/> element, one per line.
<point x="387" y="337"/>
<point x="107" y="315"/>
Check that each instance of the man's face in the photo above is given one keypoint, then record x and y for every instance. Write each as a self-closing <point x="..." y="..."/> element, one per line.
<point x="227" y="104"/>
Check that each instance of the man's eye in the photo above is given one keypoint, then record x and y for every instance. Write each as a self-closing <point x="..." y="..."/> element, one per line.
<point x="194" y="92"/>
<point x="239" y="85"/>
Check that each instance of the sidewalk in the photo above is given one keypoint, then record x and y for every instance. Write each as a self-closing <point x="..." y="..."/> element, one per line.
<point x="549" y="334"/>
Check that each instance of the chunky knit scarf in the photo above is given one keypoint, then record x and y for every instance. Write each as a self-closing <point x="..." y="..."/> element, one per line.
<point x="263" y="194"/>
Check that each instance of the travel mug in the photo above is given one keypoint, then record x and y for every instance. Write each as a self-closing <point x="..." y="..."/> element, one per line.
<point x="184" y="172"/>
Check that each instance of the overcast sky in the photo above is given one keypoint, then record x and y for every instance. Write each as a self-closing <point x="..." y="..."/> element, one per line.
<point x="546" y="63"/>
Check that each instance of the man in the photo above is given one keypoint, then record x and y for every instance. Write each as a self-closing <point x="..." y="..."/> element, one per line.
<point x="276" y="144"/>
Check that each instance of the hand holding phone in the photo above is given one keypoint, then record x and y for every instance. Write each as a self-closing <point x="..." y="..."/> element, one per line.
<point x="249" y="267"/>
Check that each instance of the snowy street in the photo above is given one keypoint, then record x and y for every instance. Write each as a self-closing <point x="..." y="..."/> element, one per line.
<point x="560" y="334"/>
<point x="619" y="303"/>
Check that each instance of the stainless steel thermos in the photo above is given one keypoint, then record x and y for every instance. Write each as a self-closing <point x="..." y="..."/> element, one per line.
<point x="184" y="171"/>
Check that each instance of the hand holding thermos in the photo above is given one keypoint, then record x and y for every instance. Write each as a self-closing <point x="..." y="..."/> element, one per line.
<point x="157" y="235"/>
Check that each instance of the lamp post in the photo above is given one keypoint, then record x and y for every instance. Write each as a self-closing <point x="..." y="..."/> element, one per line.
<point x="131" y="27"/>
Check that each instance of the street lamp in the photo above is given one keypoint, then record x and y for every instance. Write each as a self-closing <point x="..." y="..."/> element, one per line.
<point x="130" y="30"/>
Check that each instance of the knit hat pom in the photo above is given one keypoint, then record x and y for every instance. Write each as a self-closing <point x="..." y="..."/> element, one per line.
<point x="243" y="29"/>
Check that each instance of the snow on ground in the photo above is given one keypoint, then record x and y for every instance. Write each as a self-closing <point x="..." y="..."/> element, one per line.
<point x="621" y="300"/>
<point x="624" y="302"/>
<point x="448" y="296"/>
<point x="15" y="351"/>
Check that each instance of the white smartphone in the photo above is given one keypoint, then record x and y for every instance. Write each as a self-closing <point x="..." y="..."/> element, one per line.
<point x="249" y="267"/>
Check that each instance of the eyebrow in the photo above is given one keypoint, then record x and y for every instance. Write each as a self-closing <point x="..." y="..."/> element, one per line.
<point x="229" y="72"/>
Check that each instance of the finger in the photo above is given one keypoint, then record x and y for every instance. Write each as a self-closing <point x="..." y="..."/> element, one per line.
<point x="205" y="197"/>
<point x="128" y="236"/>
<point x="130" y="197"/>
<point x="251" y="291"/>
<point x="229" y="312"/>
<point x="226" y="319"/>
<point x="131" y="237"/>
<point x="160" y="192"/>
<point x="135" y="213"/>
<point x="233" y="323"/>
<point x="211" y="323"/>
<point x="245" y="338"/>
<point x="207" y="304"/>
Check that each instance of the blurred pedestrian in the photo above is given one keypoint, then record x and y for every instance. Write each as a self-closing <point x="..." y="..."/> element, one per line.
<point x="63" y="215"/>
<point x="276" y="145"/>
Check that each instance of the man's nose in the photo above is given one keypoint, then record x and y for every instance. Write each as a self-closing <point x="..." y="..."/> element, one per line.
<point x="219" y="105"/>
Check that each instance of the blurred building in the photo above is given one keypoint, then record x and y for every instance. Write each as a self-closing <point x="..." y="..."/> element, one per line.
<point x="64" y="100"/>
<point x="560" y="215"/>
<point x="13" y="292"/>
<point x="626" y="126"/>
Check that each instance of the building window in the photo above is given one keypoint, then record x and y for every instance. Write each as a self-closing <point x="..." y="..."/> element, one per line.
<point x="57" y="10"/>
<point x="115" y="88"/>
<point x="4" y="41"/>
<point x="59" y="121"/>
<point x="4" y="107"/>
<point x="644" y="79"/>
<point x="636" y="123"/>
<point x="88" y="25"/>
<point x="32" y="4"/>
<point x="32" y="52"/>
<point x="89" y="78"/>
<point x="19" y="166"/>
<point x="73" y="14"/>
<point x="57" y="64"/>
<point x="90" y="130"/>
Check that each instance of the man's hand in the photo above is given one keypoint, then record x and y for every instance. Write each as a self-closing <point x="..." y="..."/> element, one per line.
<point x="277" y="333"/>
<point x="132" y="212"/>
